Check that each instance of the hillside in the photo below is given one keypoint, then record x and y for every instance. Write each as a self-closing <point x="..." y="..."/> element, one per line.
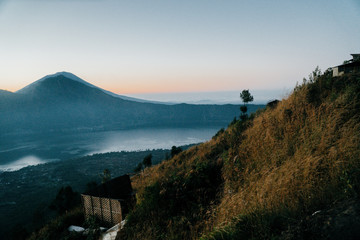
<point x="290" y="171"/>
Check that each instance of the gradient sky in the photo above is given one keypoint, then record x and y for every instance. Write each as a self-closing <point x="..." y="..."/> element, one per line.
<point x="143" y="47"/>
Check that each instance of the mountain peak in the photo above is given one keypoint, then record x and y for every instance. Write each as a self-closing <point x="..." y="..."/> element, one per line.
<point x="63" y="73"/>
<point x="68" y="75"/>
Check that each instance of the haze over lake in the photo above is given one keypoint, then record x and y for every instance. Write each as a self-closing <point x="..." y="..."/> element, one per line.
<point x="20" y="151"/>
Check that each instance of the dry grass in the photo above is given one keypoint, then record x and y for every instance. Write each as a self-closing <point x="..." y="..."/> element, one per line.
<point x="293" y="156"/>
<point x="298" y="156"/>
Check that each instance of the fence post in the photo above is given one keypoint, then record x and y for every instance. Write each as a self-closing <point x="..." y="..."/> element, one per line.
<point x="83" y="204"/>
<point x="101" y="210"/>
<point x="111" y="213"/>
<point x="92" y="206"/>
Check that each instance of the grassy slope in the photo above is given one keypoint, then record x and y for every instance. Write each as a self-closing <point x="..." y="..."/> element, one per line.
<point x="261" y="176"/>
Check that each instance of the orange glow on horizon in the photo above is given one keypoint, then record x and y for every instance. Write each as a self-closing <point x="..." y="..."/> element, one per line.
<point x="11" y="88"/>
<point x="162" y="84"/>
<point x="165" y="88"/>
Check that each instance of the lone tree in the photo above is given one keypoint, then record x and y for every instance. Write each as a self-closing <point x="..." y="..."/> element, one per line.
<point x="147" y="160"/>
<point x="138" y="168"/>
<point x="175" y="151"/>
<point x="105" y="176"/>
<point x="246" y="97"/>
<point x="65" y="200"/>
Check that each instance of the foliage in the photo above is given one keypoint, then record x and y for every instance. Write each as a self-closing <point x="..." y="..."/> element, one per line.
<point x="93" y="224"/>
<point x="175" y="150"/>
<point x="65" y="200"/>
<point x="221" y="131"/>
<point x="243" y="109"/>
<point x="232" y="122"/>
<point x="313" y="77"/>
<point x="57" y="228"/>
<point x="138" y="168"/>
<point x="147" y="160"/>
<point x="105" y="176"/>
<point x="258" y="224"/>
<point x="185" y="196"/>
<point x="246" y="97"/>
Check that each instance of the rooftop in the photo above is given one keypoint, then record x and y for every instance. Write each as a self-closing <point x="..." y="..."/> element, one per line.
<point x="116" y="188"/>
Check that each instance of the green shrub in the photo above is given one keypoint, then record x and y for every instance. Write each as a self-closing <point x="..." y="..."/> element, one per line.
<point x="170" y="207"/>
<point x="259" y="224"/>
<point x="57" y="228"/>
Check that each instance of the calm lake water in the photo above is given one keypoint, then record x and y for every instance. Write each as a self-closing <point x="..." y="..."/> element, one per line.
<point x="18" y="152"/>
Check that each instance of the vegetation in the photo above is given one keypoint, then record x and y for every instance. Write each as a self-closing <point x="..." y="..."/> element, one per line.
<point x="175" y="151"/>
<point x="138" y="168"/>
<point x="65" y="200"/>
<point x="246" y="97"/>
<point x="263" y="177"/>
<point x="147" y="160"/>
<point x="57" y="228"/>
<point x="105" y="176"/>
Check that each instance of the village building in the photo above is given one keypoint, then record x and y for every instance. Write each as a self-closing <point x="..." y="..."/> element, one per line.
<point x="111" y="201"/>
<point x="352" y="65"/>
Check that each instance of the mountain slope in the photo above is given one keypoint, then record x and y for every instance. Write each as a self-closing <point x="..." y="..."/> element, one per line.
<point x="31" y="87"/>
<point x="63" y="102"/>
<point x="263" y="177"/>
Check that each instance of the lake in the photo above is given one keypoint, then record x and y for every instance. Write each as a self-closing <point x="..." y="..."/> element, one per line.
<point x="17" y="152"/>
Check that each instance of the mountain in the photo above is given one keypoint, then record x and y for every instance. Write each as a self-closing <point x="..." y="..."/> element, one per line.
<point x="64" y="102"/>
<point x="5" y="93"/>
<point x="31" y="87"/>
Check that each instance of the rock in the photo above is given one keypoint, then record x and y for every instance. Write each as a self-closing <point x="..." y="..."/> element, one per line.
<point x="111" y="233"/>
<point x="78" y="229"/>
<point x="122" y="224"/>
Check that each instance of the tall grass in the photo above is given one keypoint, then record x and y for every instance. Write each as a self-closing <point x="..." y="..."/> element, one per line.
<point x="299" y="156"/>
<point x="281" y="164"/>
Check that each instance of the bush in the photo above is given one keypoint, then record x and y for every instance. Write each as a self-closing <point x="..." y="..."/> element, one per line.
<point x="221" y="131"/>
<point x="170" y="207"/>
<point x="147" y="160"/>
<point x="65" y="200"/>
<point x="57" y="228"/>
<point x="254" y="225"/>
<point x="175" y="151"/>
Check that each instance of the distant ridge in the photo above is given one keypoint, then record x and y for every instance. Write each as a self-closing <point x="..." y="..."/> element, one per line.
<point x="5" y="92"/>
<point x="64" y="102"/>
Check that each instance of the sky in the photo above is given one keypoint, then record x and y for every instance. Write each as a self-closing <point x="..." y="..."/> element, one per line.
<point x="172" y="49"/>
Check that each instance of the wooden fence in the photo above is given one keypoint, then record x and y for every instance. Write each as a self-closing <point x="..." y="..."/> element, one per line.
<point x="106" y="209"/>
